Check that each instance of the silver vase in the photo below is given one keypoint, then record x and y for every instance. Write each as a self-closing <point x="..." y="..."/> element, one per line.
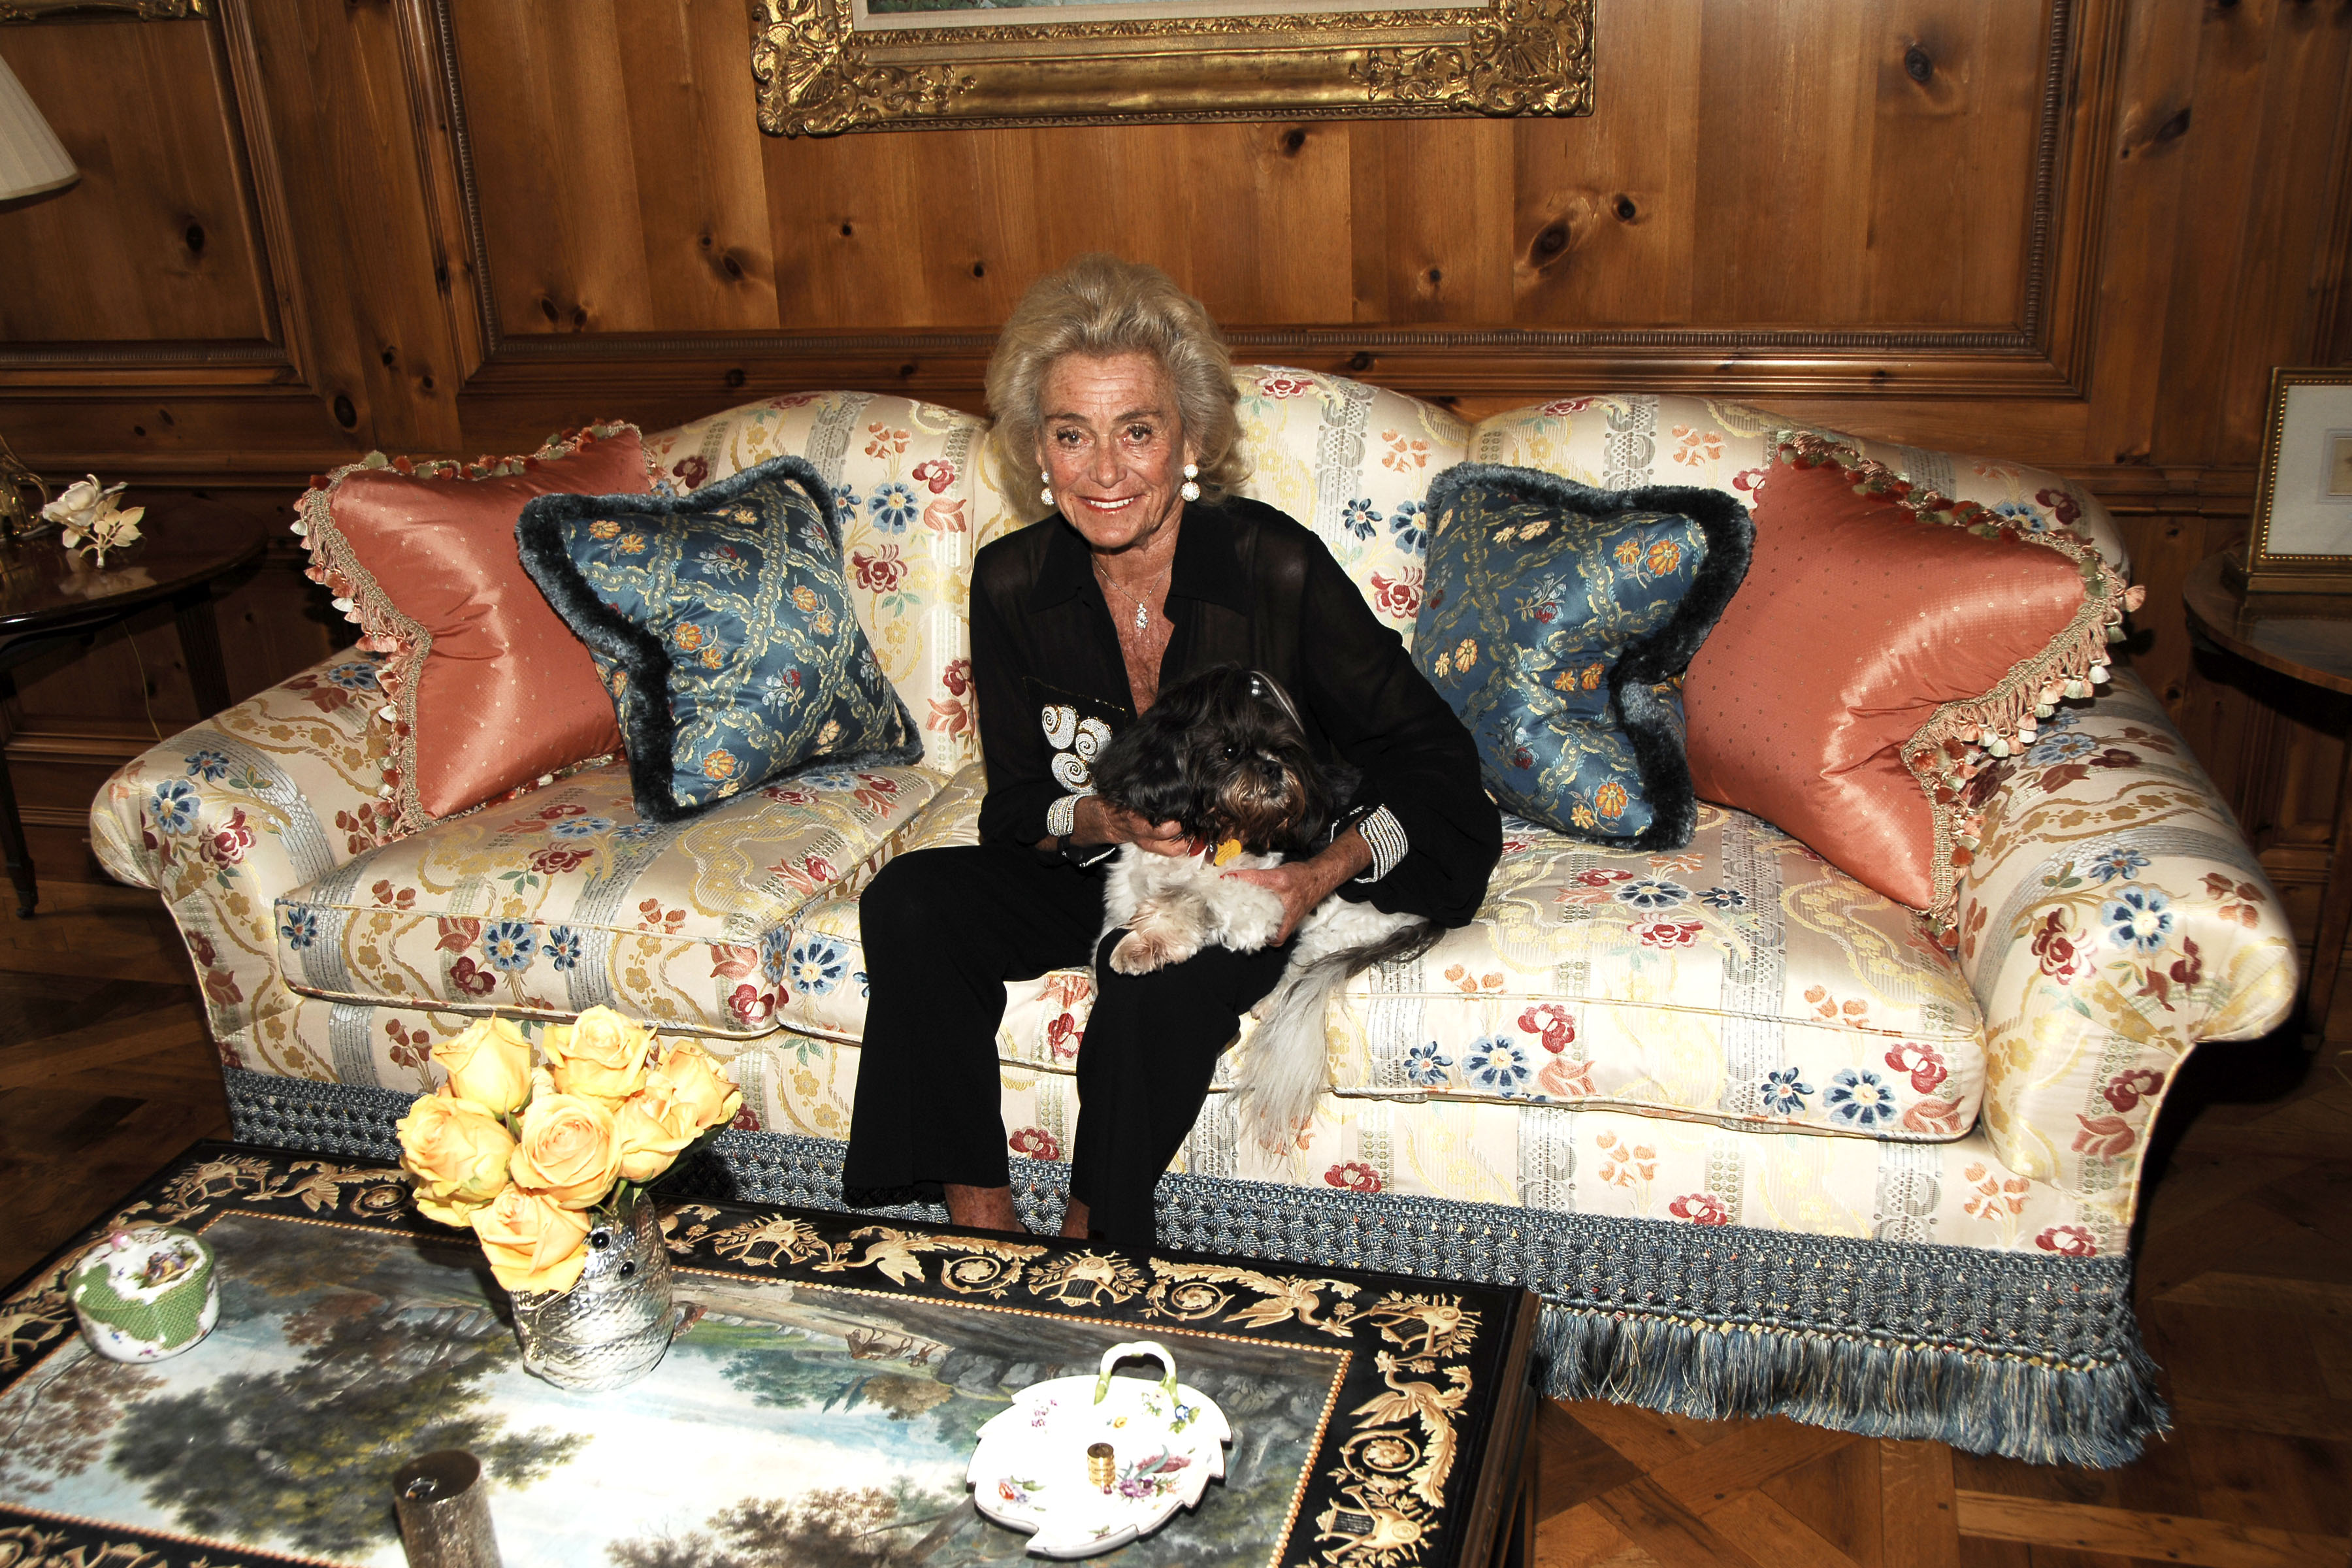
<point x="613" y="1326"/>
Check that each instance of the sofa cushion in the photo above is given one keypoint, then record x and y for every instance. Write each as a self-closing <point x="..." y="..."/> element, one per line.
<point x="1618" y="441"/>
<point x="486" y="690"/>
<point x="1353" y="463"/>
<point x="1554" y="619"/>
<point x="1744" y="981"/>
<point x="566" y="899"/>
<point x="723" y="626"/>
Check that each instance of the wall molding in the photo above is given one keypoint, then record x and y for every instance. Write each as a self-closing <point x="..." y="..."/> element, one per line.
<point x="151" y="353"/>
<point x="2044" y="356"/>
<point x="261" y="202"/>
<point x="504" y="381"/>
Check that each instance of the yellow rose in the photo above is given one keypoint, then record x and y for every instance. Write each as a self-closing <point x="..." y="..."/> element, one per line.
<point x="458" y="1153"/>
<point x="601" y="1055"/>
<point x="654" y="1124"/>
<point x="699" y="1083"/>
<point x="533" y="1242"/>
<point x="489" y="1064"/>
<point x="569" y="1152"/>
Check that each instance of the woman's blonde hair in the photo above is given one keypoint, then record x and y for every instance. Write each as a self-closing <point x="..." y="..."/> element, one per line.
<point x="1099" y="306"/>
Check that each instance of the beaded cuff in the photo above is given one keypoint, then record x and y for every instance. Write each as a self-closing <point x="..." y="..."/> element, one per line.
<point x="1062" y="816"/>
<point x="1384" y="836"/>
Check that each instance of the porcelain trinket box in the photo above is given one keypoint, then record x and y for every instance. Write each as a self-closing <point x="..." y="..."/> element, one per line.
<point x="146" y="1294"/>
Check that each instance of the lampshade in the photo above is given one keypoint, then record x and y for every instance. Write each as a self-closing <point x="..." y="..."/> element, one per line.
<point x="32" y="159"/>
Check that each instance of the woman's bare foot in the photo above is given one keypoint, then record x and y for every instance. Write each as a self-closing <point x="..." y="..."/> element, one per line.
<point x="984" y="1208"/>
<point x="1074" y="1221"/>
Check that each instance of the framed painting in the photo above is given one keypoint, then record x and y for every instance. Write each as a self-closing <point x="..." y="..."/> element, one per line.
<point x="2302" y="536"/>
<point x="825" y="67"/>
<point x="92" y="10"/>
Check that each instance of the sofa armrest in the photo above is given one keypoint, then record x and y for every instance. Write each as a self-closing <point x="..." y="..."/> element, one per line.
<point x="252" y="802"/>
<point x="2114" y="918"/>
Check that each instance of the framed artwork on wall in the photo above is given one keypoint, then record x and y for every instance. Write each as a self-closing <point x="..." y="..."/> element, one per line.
<point x="826" y="66"/>
<point x="88" y="10"/>
<point x="2302" y="536"/>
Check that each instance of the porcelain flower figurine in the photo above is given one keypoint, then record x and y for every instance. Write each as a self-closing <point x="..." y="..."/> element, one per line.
<point x="92" y="520"/>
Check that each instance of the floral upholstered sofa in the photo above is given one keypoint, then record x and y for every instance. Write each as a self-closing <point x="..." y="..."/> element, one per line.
<point x="1759" y="1140"/>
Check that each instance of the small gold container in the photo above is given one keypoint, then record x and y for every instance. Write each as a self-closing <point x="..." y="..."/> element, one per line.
<point x="1102" y="1464"/>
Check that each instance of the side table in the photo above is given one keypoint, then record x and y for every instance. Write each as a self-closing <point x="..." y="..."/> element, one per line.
<point x="49" y="595"/>
<point x="2306" y="639"/>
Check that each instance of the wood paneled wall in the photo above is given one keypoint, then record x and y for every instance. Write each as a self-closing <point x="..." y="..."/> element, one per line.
<point x="2072" y="232"/>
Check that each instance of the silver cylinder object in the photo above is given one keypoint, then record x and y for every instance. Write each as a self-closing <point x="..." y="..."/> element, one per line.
<point x="444" y="1512"/>
<point x="613" y="1326"/>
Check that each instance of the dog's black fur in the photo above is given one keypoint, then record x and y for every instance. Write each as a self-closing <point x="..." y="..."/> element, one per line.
<point x="1224" y="753"/>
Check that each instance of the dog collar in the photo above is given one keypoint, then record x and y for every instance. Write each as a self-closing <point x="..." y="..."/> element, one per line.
<point x="1227" y="851"/>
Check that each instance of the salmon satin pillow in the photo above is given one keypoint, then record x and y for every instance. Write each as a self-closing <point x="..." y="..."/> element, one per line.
<point x="487" y="690"/>
<point x="1886" y="641"/>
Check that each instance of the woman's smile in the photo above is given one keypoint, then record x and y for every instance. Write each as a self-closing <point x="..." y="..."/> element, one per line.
<point x="1112" y="449"/>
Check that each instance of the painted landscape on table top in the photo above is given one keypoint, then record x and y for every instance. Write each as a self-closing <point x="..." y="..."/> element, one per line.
<point x="789" y="1424"/>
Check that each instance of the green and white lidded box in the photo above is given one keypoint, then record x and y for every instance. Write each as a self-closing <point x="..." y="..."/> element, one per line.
<point x="146" y="1294"/>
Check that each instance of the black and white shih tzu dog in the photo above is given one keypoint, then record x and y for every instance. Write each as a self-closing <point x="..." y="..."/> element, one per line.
<point x="1225" y="755"/>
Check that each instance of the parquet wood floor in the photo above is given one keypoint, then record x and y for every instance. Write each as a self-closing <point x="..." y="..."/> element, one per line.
<point x="2245" y="1296"/>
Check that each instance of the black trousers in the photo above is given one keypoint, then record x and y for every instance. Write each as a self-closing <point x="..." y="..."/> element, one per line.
<point x="943" y="931"/>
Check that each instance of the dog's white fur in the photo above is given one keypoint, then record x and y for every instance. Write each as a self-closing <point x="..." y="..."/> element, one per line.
<point x="1172" y="906"/>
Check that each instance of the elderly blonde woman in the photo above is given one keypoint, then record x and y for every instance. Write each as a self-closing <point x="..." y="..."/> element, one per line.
<point x="1113" y="398"/>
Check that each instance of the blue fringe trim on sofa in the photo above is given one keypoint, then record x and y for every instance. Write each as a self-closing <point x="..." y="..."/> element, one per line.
<point x="2032" y="1356"/>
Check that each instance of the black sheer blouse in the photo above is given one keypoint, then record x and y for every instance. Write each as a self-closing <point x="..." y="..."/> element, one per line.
<point x="1249" y="586"/>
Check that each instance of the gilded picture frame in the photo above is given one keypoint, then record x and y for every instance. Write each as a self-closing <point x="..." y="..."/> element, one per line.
<point x="826" y="66"/>
<point x="103" y="10"/>
<point x="2301" y="540"/>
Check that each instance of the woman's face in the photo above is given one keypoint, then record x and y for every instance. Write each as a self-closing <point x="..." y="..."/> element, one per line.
<point x="1113" y="447"/>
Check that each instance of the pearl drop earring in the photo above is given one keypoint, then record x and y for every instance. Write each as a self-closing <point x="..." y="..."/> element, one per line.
<point x="1188" y="489"/>
<point x="1046" y="494"/>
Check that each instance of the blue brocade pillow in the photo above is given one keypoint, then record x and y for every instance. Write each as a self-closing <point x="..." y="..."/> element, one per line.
<point x="722" y="626"/>
<point x="1557" y="620"/>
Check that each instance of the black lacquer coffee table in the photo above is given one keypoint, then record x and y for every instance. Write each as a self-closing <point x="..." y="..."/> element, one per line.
<point x="824" y="1390"/>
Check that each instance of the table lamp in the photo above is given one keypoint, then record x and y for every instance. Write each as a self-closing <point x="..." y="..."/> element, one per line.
<point x="34" y="166"/>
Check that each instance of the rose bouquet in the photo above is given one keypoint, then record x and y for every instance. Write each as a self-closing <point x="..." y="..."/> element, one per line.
<point x="522" y="1153"/>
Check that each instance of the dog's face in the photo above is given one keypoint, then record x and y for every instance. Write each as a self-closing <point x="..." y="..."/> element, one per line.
<point x="1223" y="754"/>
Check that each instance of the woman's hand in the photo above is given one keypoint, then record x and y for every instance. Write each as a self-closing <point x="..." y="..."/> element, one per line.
<point x="1097" y="821"/>
<point x="1303" y="884"/>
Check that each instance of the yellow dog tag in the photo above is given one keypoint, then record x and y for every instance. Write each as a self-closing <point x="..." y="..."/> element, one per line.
<point x="1225" y="851"/>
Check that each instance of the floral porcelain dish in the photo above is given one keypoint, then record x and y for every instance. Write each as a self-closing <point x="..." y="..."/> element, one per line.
<point x="1091" y="1463"/>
